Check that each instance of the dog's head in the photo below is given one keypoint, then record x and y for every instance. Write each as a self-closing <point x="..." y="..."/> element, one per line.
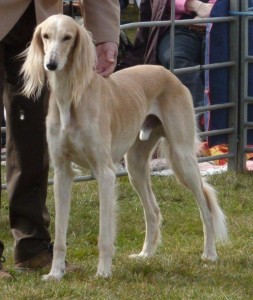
<point x="62" y="39"/>
<point x="58" y="35"/>
<point x="58" y="44"/>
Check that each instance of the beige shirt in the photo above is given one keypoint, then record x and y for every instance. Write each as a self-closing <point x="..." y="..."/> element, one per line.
<point x="102" y="17"/>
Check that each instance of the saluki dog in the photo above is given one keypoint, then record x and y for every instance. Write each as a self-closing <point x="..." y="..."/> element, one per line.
<point x="95" y="122"/>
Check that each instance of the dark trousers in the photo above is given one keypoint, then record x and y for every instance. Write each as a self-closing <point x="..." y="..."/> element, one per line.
<point x="27" y="156"/>
<point x="189" y="51"/>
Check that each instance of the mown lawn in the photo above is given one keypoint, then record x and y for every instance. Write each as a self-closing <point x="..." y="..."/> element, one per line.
<point x="175" y="272"/>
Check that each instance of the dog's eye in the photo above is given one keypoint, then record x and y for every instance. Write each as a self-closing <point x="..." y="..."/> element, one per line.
<point x="45" y="36"/>
<point x="66" y="38"/>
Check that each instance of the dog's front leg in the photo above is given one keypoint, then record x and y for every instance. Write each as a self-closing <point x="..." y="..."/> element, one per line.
<point x="62" y="193"/>
<point x="106" y="185"/>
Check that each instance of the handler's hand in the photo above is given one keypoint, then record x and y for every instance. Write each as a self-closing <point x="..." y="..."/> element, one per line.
<point x="200" y="8"/>
<point x="107" y="58"/>
<point x="204" y="10"/>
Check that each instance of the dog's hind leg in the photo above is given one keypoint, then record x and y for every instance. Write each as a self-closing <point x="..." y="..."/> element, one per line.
<point x="138" y="159"/>
<point x="62" y="193"/>
<point x="106" y="184"/>
<point x="184" y="163"/>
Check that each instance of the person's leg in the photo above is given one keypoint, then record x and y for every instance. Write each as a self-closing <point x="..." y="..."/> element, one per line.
<point x="187" y="53"/>
<point x="27" y="156"/>
<point x="3" y="273"/>
<point x="3" y="135"/>
<point x="1" y="98"/>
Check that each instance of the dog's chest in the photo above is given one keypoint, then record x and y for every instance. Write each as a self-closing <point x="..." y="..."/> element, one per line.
<point x="72" y="147"/>
<point x="70" y="140"/>
<point x="66" y="134"/>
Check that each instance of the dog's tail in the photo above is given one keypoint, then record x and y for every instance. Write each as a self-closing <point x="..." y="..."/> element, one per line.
<point x="219" y="219"/>
<point x="210" y="195"/>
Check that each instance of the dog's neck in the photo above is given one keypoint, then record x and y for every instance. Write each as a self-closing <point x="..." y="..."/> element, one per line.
<point x="61" y="92"/>
<point x="59" y="82"/>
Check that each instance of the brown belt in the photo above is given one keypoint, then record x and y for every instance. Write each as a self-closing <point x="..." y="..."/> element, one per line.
<point x="197" y="28"/>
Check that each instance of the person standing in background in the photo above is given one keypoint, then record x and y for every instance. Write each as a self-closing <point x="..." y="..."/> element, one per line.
<point x="152" y="45"/>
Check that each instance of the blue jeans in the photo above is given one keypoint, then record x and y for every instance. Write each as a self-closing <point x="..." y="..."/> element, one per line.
<point x="189" y="51"/>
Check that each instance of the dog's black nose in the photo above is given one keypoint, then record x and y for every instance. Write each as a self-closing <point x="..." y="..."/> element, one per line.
<point x="52" y="66"/>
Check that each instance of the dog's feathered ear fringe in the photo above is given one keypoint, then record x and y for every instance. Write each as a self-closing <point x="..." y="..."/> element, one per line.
<point x="32" y="71"/>
<point x="83" y="63"/>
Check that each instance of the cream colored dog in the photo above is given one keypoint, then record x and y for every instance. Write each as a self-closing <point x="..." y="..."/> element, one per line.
<point x="95" y="121"/>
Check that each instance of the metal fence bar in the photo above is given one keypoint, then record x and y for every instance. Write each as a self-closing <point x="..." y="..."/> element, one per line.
<point x="233" y="88"/>
<point x="243" y="93"/>
<point x="213" y="107"/>
<point x="179" y="22"/>
<point x="217" y="132"/>
<point x="205" y="67"/>
<point x="248" y="124"/>
<point x="124" y="173"/>
<point x="248" y="99"/>
<point x="172" y="35"/>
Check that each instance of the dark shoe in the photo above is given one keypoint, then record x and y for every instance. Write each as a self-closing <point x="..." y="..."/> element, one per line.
<point x="3" y="274"/>
<point x="42" y="260"/>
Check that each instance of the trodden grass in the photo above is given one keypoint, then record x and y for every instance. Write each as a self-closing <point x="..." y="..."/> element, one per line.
<point x="175" y="272"/>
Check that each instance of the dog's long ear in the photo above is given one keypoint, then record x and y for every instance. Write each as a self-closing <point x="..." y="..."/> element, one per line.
<point x="32" y="70"/>
<point x="83" y="63"/>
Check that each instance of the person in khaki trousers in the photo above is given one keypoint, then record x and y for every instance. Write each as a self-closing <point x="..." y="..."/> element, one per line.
<point x="27" y="156"/>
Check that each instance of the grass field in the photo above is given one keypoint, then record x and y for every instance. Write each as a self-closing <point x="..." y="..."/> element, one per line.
<point x="175" y="272"/>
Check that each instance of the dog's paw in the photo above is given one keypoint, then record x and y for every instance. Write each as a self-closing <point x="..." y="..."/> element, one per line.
<point x="141" y="255"/>
<point x="53" y="276"/>
<point x="104" y="268"/>
<point x="209" y="257"/>
<point x="101" y="273"/>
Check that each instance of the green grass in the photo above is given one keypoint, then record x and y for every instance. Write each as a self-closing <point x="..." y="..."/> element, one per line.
<point x="175" y="272"/>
